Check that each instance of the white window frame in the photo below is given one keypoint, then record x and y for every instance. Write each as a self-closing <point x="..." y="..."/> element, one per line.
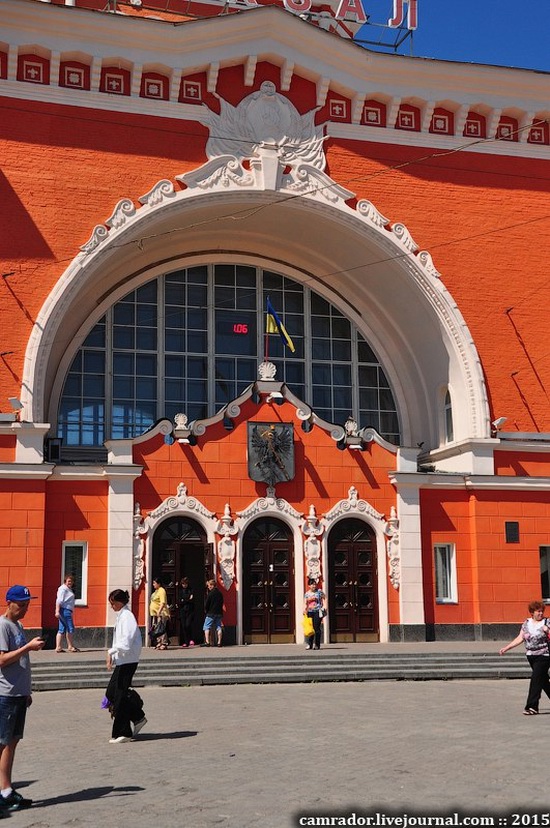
<point x="83" y="600"/>
<point x="447" y="579"/>
<point x="448" y="420"/>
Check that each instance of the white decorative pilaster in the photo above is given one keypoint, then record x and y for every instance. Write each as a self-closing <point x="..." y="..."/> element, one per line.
<point x="121" y="529"/>
<point x="394" y="552"/>
<point x="175" y="82"/>
<point x="312" y="528"/>
<point x="411" y="590"/>
<point x="136" y="80"/>
<point x="227" y="546"/>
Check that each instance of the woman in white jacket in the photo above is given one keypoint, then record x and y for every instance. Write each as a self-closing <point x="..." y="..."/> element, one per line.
<point x="126" y="704"/>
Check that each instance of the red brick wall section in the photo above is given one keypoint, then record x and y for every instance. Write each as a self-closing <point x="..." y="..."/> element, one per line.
<point x="517" y="464"/>
<point x="77" y="512"/>
<point x="496" y="579"/>
<point x="22" y="541"/>
<point x="7" y="448"/>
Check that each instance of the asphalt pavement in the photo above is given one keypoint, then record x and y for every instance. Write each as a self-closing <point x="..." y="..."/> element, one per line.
<point x="245" y="756"/>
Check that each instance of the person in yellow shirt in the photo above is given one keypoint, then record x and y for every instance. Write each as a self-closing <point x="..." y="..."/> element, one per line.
<point x="160" y="614"/>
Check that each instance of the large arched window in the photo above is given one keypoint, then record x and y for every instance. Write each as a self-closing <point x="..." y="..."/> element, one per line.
<point x="190" y="341"/>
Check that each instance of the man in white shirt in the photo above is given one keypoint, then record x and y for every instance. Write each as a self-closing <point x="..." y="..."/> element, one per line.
<point x="15" y="690"/>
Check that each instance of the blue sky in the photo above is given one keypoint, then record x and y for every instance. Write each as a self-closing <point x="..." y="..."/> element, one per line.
<point x="500" y="32"/>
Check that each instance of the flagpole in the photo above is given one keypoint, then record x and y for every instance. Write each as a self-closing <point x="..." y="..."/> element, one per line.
<point x="266" y="336"/>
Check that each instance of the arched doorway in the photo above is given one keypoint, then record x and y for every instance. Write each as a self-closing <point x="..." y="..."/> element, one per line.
<point x="180" y="548"/>
<point x="352" y="582"/>
<point x="268" y="583"/>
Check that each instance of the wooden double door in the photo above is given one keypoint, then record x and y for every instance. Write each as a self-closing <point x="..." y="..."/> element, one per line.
<point x="180" y="549"/>
<point x="352" y="582"/>
<point x="268" y="583"/>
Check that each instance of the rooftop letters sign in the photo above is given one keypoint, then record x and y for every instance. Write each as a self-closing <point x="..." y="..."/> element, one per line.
<point x="353" y="11"/>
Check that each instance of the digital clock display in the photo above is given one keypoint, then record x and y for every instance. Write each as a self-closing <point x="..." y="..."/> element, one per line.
<point x="236" y="333"/>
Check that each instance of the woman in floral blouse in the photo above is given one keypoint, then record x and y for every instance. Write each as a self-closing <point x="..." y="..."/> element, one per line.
<point x="534" y="634"/>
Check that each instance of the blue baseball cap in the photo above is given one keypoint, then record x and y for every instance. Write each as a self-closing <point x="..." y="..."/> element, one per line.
<point x="19" y="593"/>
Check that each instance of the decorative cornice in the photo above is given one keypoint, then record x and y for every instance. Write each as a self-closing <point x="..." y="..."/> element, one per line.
<point x="352" y="505"/>
<point x="269" y="503"/>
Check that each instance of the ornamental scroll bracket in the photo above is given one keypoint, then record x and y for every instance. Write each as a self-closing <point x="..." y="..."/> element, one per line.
<point x="312" y="528"/>
<point x="393" y="548"/>
<point x="227" y="546"/>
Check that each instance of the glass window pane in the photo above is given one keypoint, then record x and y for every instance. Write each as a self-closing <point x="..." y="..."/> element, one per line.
<point x="123" y="337"/>
<point x="341" y="375"/>
<point x="124" y="314"/>
<point x="123" y="363"/>
<point x="146" y="364"/>
<point x="174" y="341"/>
<point x="320" y="349"/>
<point x="146" y="338"/>
<point x="341" y="349"/>
<point x="147" y="293"/>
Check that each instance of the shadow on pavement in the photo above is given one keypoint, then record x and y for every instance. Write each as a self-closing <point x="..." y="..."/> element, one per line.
<point x="87" y="794"/>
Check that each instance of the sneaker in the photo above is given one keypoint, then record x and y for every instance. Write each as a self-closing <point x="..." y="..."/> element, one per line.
<point x="308" y="647"/>
<point x="120" y="739"/>
<point x="139" y="725"/>
<point x="183" y="646"/>
<point x="191" y="643"/>
<point x="14" y="802"/>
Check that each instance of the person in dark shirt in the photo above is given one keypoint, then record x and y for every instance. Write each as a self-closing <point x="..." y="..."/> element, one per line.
<point x="187" y="614"/>
<point x="214" y="614"/>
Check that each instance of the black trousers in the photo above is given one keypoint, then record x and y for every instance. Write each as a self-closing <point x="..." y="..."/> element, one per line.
<point x="539" y="680"/>
<point x="186" y="626"/>
<point x="315" y="639"/>
<point x="126" y="707"/>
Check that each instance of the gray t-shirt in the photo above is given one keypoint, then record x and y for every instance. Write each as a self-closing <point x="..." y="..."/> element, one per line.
<point x="15" y="679"/>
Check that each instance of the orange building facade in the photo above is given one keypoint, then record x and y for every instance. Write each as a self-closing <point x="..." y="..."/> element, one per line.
<point x="163" y="175"/>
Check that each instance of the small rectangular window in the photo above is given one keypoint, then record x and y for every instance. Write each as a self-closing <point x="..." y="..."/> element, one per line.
<point x="445" y="574"/>
<point x="75" y="563"/>
<point x="544" y="552"/>
<point x="511" y="529"/>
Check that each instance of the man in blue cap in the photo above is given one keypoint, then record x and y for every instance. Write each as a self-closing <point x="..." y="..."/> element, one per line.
<point x="15" y="690"/>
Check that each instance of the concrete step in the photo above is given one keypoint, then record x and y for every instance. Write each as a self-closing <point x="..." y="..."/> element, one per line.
<point x="314" y="667"/>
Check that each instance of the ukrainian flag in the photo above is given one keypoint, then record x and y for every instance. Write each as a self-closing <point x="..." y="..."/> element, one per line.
<point x="274" y="325"/>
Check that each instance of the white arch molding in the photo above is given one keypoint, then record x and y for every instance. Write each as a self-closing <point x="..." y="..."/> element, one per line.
<point x="297" y="223"/>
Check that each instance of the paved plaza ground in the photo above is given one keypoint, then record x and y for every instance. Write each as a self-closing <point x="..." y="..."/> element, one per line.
<point x="257" y="756"/>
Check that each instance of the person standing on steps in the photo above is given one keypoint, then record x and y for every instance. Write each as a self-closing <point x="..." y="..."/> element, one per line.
<point x="15" y="690"/>
<point x="126" y="704"/>
<point x="534" y="633"/>
<point x="64" y="609"/>
<point x="160" y="615"/>
<point x="187" y="613"/>
<point x="214" y="614"/>
<point x="314" y="607"/>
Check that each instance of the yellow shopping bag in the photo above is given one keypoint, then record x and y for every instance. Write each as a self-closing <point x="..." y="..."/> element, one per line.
<point x="308" y="626"/>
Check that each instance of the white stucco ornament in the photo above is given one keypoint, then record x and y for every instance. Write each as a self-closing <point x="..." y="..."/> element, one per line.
<point x="280" y="148"/>
<point x="227" y="546"/>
